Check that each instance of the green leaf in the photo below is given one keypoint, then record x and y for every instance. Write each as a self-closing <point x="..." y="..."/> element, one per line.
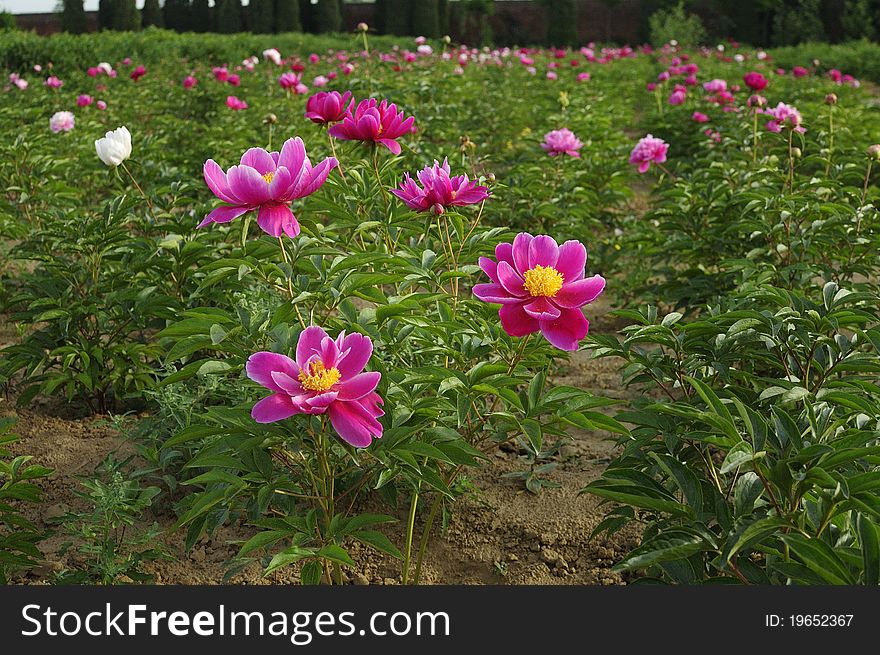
<point x="378" y="541"/>
<point x="336" y="553"/>
<point x="870" y="543"/>
<point x="819" y="558"/>
<point x="669" y="545"/>
<point x="740" y="454"/>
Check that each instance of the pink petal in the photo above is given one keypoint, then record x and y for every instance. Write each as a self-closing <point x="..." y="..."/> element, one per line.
<point x="287" y="383"/>
<point x="510" y="280"/>
<point x="572" y="260"/>
<point x="504" y="253"/>
<point x="223" y="214"/>
<point x="356" y="352"/>
<point x="495" y="293"/>
<point x="542" y="309"/>
<point x="391" y="144"/>
<point x="216" y="180"/>
<point x="643" y="168"/>
<point x="321" y="401"/>
<point x="580" y="292"/>
<point x="354" y="423"/>
<point x="490" y="268"/>
<point x="329" y="352"/>
<point x="258" y="159"/>
<point x="279" y="187"/>
<point x="309" y="344"/>
<point x="521" y="251"/>
<point x="358" y="386"/>
<point x="309" y="183"/>
<point x="248" y="185"/>
<point x="292" y="156"/>
<point x="275" y="219"/>
<point x="567" y="330"/>
<point x="543" y="251"/>
<point x="516" y="322"/>
<point x="260" y="367"/>
<point x="276" y="407"/>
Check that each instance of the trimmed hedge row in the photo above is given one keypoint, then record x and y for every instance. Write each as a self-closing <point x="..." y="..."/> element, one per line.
<point x="858" y="58"/>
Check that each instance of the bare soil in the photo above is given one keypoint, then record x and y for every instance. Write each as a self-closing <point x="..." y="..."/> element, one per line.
<point x="498" y="534"/>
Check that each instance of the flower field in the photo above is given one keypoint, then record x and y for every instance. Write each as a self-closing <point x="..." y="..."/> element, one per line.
<point x="356" y="310"/>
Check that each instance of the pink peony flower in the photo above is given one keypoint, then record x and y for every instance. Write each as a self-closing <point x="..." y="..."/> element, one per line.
<point x="138" y="73"/>
<point x="755" y="81"/>
<point x="715" y="86"/>
<point x="784" y="115"/>
<point x="267" y="182"/>
<point x="699" y="117"/>
<point x="53" y="82"/>
<point x="438" y="190"/>
<point x="583" y="77"/>
<point x="319" y="81"/>
<point x="220" y="73"/>
<point x="799" y="71"/>
<point x="189" y="82"/>
<point x="562" y="142"/>
<point x="235" y="104"/>
<point x="288" y="80"/>
<point x="649" y="149"/>
<point x="61" y="121"/>
<point x="101" y="105"/>
<point x="677" y="98"/>
<point x="328" y="107"/>
<point x="326" y="377"/>
<point x="551" y="75"/>
<point x="541" y="287"/>
<point x="84" y="100"/>
<point x="377" y="122"/>
<point x="233" y="80"/>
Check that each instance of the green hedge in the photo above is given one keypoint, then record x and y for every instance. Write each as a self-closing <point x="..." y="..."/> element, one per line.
<point x="21" y="50"/>
<point x="858" y="58"/>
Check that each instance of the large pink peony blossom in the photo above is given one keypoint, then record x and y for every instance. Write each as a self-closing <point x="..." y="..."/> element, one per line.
<point x="649" y="149"/>
<point x="326" y="377"/>
<point x="783" y="115"/>
<point x="439" y="190"/>
<point x="562" y="142"/>
<point x="378" y="122"/>
<point x="541" y="287"/>
<point x="267" y="182"/>
<point x="328" y="106"/>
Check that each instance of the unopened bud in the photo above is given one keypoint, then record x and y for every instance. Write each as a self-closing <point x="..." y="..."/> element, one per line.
<point x="491" y="178"/>
<point x="447" y="39"/>
<point x="796" y="153"/>
<point x="831" y="99"/>
<point x="437" y="208"/>
<point x="874" y="152"/>
<point x="363" y="27"/>
<point x="271" y="119"/>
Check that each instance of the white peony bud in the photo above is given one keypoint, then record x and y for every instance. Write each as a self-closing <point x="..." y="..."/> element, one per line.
<point x="115" y="147"/>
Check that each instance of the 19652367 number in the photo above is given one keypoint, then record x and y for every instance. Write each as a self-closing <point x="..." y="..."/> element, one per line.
<point x="820" y="620"/>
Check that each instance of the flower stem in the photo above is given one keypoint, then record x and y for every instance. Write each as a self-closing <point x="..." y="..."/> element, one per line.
<point x="137" y="186"/>
<point x="410" y="528"/>
<point x="830" y="138"/>
<point x="333" y="152"/>
<point x="289" y="280"/>
<point x="384" y="198"/>
<point x="755" y="138"/>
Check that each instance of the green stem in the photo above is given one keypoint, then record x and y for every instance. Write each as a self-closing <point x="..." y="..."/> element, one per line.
<point x="137" y="186"/>
<point x="410" y="528"/>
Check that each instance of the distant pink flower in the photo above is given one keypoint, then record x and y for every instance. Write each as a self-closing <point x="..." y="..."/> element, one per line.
<point x="562" y="142"/>
<point x="347" y="69"/>
<point x="301" y="89"/>
<point x="326" y="377"/>
<point x="138" y="73"/>
<point x="551" y="75"/>
<point x="221" y="73"/>
<point x="288" y="80"/>
<point x="375" y="122"/>
<point x="651" y="86"/>
<point x="583" y="77"/>
<point x="662" y="77"/>
<point x="799" y="71"/>
<point x="320" y="81"/>
<point x="691" y="80"/>
<point x="101" y="105"/>
<point x="189" y="82"/>
<point x="233" y="80"/>
<point x="541" y="287"/>
<point x="648" y="150"/>
<point x="18" y="81"/>
<point x="677" y="98"/>
<point x="439" y="190"/>
<point x="699" y="117"/>
<point x="755" y="81"/>
<point x="235" y="104"/>
<point x="780" y="71"/>
<point x="61" y="121"/>
<point x="314" y="59"/>
<point x="328" y="107"/>
<point x="266" y="182"/>
<point x="84" y="100"/>
<point x="715" y="86"/>
<point x="126" y="61"/>
<point x="53" y="82"/>
<point x="757" y="101"/>
<point x="784" y="116"/>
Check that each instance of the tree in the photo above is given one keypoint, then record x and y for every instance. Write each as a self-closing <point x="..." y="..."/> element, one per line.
<point x="126" y="16"/>
<point x="287" y="16"/>
<point x="106" y="9"/>
<point x="397" y="17"/>
<point x="426" y="18"/>
<point x="228" y="14"/>
<point x="856" y="20"/>
<point x="561" y="22"/>
<point x="262" y="16"/>
<point x="798" y="21"/>
<point x="200" y="16"/>
<point x="73" y="17"/>
<point x="443" y="17"/>
<point x="151" y="14"/>
<point x="328" y="18"/>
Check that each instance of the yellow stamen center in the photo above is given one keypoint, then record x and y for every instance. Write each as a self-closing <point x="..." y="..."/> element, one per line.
<point x="318" y="378"/>
<point x="268" y="177"/>
<point x="541" y="281"/>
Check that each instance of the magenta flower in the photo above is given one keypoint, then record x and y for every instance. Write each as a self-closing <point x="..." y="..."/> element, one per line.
<point x="755" y="81"/>
<point x="677" y="97"/>
<point x="326" y="377"/>
<point x="699" y="117"/>
<point x="715" y="86"/>
<point x="267" y="182"/>
<point x="783" y="115"/>
<point x="561" y="142"/>
<point x="649" y="149"/>
<point x="138" y="73"/>
<point x="583" y="77"/>
<point x="438" y="190"/>
<point x="541" y="287"/>
<point x="53" y="82"/>
<point x="84" y="100"/>
<point x="189" y="82"/>
<point x="377" y="122"/>
<point x="233" y="80"/>
<point x="236" y="104"/>
<point x="288" y="80"/>
<point x="221" y="73"/>
<point x="328" y="106"/>
<point x="101" y="105"/>
<point x="799" y="71"/>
